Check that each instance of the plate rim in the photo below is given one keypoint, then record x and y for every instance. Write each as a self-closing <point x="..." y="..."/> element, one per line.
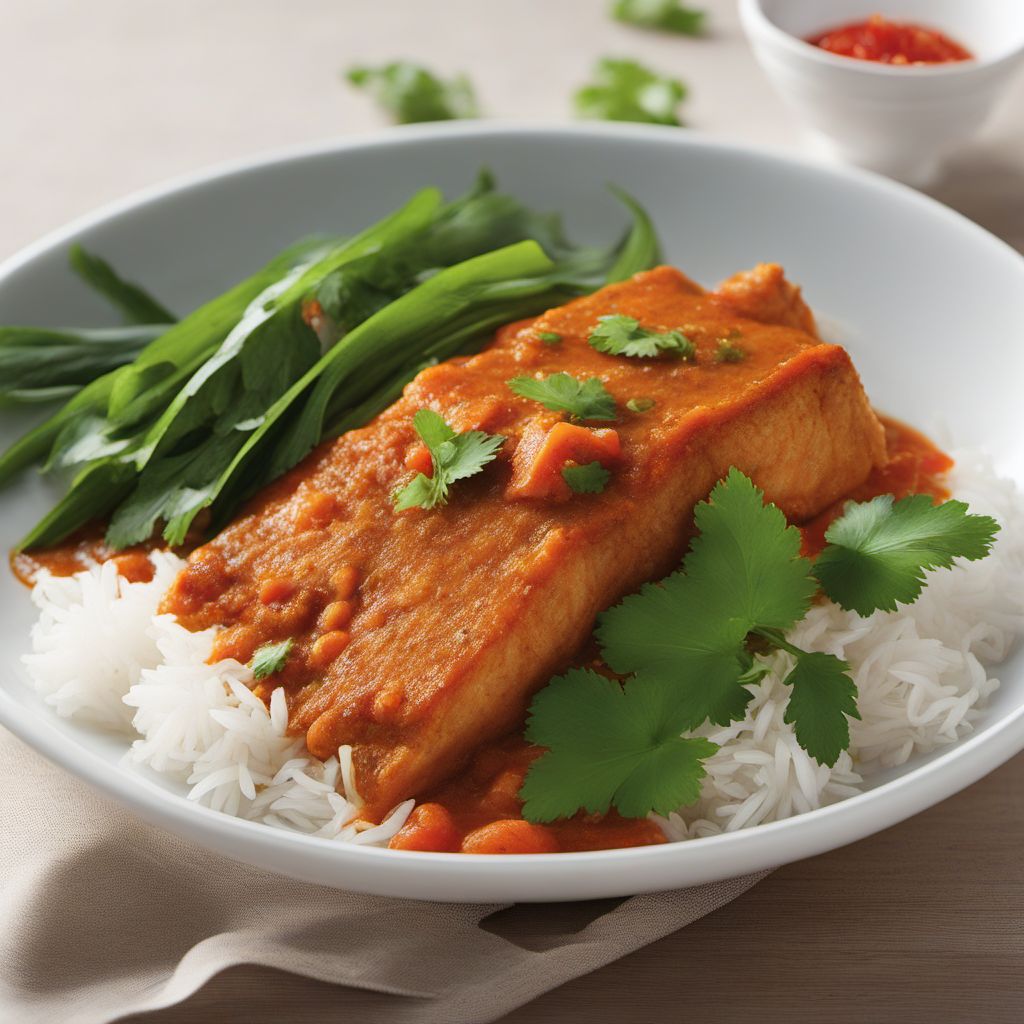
<point x="478" y="878"/>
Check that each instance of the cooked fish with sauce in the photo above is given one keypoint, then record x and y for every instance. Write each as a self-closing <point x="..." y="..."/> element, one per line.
<point x="419" y="635"/>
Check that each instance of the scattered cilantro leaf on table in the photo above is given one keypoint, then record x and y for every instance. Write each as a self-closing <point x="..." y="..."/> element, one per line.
<point x="878" y="551"/>
<point x="608" y="745"/>
<point x="591" y="478"/>
<point x="454" y="457"/>
<point x="618" y="335"/>
<point x="411" y="93"/>
<point x="667" y="15"/>
<point x="623" y="90"/>
<point x="561" y="392"/>
<point x="270" y="659"/>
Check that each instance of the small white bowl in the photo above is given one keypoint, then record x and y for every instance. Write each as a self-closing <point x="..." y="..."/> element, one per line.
<point x="900" y="120"/>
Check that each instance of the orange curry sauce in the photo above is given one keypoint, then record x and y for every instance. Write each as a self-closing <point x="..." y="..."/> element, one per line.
<point x="478" y="810"/>
<point x="890" y="42"/>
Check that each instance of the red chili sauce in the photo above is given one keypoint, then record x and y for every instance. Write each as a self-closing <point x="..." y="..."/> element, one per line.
<point x="891" y="42"/>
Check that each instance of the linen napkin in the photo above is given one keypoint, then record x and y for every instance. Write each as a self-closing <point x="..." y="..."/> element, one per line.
<point x="102" y="915"/>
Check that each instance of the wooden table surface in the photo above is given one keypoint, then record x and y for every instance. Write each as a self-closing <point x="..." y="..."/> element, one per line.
<point x="922" y="923"/>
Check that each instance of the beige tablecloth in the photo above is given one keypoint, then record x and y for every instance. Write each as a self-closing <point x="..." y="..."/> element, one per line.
<point x="101" y="915"/>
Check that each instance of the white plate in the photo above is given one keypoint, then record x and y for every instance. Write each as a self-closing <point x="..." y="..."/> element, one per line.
<point x="929" y="305"/>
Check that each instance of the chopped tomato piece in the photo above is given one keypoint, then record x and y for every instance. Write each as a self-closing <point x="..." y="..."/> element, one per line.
<point x="542" y="454"/>
<point x="418" y="460"/>
<point x="429" y="828"/>
<point x="510" y="835"/>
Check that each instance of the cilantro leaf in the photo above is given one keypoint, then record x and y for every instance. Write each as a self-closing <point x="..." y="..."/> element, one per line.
<point x="743" y="571"/>
<point x="270" y="658"/>
<point x="822" y="698"/>
<point x="668" y="15"/>
<point x="591" y="478"/>
<point x="641" y="405"/>
<point x="411" y="93"/>
<point x="550" y="337"/>
<point x="454" y="457"/>
<point x="728" y="352"/>
<point x="878" y="551"/>
<point x="609" y="745"/>
<point x="561" y="392"/>
<point x="623" y="90"/>
<point x="618" y="335"/>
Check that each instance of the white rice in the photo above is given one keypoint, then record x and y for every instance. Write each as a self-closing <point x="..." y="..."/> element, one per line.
<point x="100" y="653"/>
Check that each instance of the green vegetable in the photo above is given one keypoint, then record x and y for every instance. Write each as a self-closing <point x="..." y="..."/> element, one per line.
<point x="878" y="551"/>
<point x="823" y="698"/>
<point x="92" y="423"/>
<point x="39" y="365"/>
<point x="743" y="571"/>
<point x="609" y="744"/>
<point x="591" y="478"/>
<point x="238" y="392"/>
<point x="619" y="335"/>
<point x="454" y="457"/>
<point x="561" y="392"/>
<point x="640" y="405"/>
<point x="549" y="337"/>
<point x="136" y="304"/>
<point x="727" y="352"/>
<point x="411" y="93"/>
<point x="623" y="90"/>
<point x="667" y="15"/>
<point x="270" y="659"/>
<point x="691" y="646"/>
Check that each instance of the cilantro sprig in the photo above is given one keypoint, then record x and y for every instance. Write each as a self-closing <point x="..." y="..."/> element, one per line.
<point x="666" y="15"/>
<point x="691" y="646"/>
<point x="412" y="93"/>
<point x="618" y="335"/>
<point x="624" y="90"/>
<point x="878" y="551"/>
<point x="561" y="392"/>
<point x="270" y="659"/>
<point x="453" y="456"/>
<point x="609" y="744"/>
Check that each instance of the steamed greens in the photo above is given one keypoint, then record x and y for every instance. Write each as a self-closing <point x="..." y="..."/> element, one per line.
<point x="323" y="337"/>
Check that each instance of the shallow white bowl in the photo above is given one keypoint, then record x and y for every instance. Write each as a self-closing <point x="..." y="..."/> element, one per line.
<point x="901" y="121"/>
<point x="929" y="305"/>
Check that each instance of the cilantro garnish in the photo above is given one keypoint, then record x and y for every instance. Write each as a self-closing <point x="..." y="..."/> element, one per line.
<point x="667" y="15"/>
<point x="743" y="571"/>
<point x="618" y="335"/>
<point x="623" y="90"/>
<point x="641" y="404"/>
<point x="609" y="744"/>
<point x="454" y="457"/>
<point x="411" y="93"/>
<point x="729" y="352"/>
<point x="691" y="646"/>
<point x="591" y="478"/>
<point x="878" y="551"/>
<point x="561" y="392"/>
<point x="549" y="337"/>
<point x="270" y="658"/>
